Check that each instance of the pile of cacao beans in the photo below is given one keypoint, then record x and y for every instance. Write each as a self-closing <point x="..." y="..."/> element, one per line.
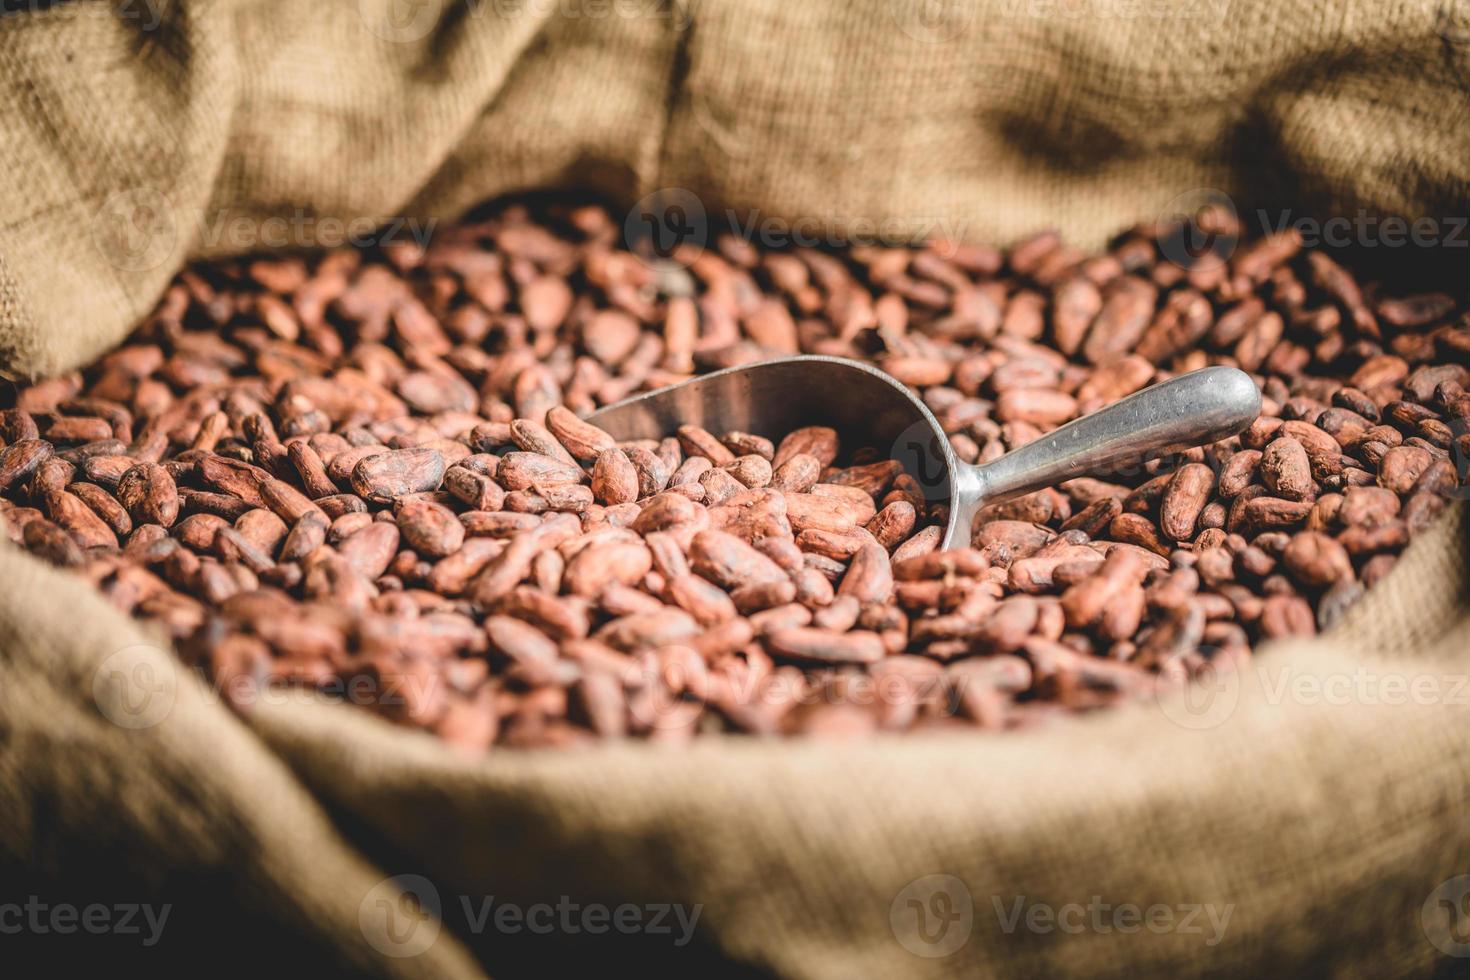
<point x="367" y="474"/>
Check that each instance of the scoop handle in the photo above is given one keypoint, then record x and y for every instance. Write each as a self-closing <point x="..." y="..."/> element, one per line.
<point x="1191" y="410"/>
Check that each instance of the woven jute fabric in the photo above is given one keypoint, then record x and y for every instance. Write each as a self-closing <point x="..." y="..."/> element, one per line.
<point x="139" y="134"/>
<point x="1301" y="814"/>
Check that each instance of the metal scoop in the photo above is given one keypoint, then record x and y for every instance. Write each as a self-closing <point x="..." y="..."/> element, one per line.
<point x="869" y="408"/>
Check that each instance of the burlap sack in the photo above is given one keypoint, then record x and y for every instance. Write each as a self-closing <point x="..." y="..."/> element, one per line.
<point x="1314" y="800"/>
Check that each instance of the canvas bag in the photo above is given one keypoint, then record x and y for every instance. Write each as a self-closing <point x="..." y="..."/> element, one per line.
<point x="138" y="136"/>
